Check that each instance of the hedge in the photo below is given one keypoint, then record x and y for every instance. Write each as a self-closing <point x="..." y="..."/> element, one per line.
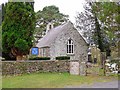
<point x="62" y="58"/>
<point x="39" y="58"/>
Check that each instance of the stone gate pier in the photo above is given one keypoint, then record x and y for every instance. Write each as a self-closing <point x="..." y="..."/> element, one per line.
<point x="78" y="68"/>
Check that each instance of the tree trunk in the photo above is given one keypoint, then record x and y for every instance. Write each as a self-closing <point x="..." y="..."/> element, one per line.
<point x="19" y="57"/>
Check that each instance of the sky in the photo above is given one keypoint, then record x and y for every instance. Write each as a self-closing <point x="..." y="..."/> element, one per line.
<point x="68" y="7"/>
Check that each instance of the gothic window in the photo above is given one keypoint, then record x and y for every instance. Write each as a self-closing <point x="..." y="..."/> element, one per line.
<point x="70" y="47"/>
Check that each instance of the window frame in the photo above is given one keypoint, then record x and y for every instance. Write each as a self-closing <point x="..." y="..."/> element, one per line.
<point x="70" y="46"/>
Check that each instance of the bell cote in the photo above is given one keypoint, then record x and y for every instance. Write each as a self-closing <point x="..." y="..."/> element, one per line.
<point x="49" y="27"/>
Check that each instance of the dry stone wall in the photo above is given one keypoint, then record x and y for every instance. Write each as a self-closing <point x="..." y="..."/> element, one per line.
<point x="75" y="67"/>
<point x="22" y="67"/>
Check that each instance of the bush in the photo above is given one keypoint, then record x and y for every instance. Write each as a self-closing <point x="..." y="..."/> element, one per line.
<point x="115" y="61"/>
<point x="62" y="58"/>
<point x="39" y="58"/>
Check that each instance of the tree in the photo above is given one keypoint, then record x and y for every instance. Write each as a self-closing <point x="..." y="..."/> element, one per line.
<point x="104" y="19"/>
<point x="18" y="28"/>
<point x="88" y="22"/>
<point x="48" y="14"/>
<point x="85" y="23"/>
<point x="3" y="10"/>
<point x="0" y="30"/>
<point x="109" y="17"/>
<point x="107" y="14"/>
<point x="0" y="40"/>
<point x="0" y="14"/>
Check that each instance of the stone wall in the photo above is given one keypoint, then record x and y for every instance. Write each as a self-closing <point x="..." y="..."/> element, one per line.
<point x="22" y="67"/>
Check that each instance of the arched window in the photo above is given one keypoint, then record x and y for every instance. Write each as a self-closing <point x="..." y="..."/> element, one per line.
<point x="70" y="47"/>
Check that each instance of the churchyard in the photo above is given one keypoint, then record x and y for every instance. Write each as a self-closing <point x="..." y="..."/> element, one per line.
<point x="45" y="49"/>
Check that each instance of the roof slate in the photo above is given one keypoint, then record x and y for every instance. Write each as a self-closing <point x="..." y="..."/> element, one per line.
<point x="52" y="35"/>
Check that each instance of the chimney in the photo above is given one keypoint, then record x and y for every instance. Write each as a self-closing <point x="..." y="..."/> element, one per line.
<point x="49" y="27"/>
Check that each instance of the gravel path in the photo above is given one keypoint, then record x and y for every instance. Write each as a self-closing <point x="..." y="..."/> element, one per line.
<point x="111" y="84"/>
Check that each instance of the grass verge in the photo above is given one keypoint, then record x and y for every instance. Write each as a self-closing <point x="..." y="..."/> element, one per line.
<point x="49" y="80"/>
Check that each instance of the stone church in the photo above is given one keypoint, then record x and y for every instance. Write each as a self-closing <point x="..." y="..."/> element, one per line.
<point x="63" y="40"/>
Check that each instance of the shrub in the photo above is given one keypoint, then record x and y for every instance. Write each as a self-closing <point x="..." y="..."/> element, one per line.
<point x="39" y="58"/>
<point x="115" y="61"/>
<point x="62" y="58"/>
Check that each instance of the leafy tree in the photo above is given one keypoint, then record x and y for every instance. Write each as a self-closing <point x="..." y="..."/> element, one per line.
<point x="109" y="17"/>
<point x="0" y="14"/>
<point x="0" y="30"/>
<point x="98" y="31"/>
<point x="0" y="40"/>
<point x="3" y="10"/>
<point x="102" y="20"/>
<point x="18" y="28"/>
<point x="48" y="14"/>
<point x="90" y="24"/>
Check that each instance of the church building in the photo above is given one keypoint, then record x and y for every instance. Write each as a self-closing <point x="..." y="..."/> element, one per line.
<point x="63" y="40"/>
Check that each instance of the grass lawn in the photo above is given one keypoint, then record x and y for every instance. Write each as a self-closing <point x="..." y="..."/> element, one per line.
<point x="49" y="80"/>
<point x="0" y="82"/>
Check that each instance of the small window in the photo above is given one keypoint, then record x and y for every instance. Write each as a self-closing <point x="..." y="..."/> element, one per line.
<point x="70" y="47"/>
<point x="50" y="26"/>
<point x="43" y="52"/>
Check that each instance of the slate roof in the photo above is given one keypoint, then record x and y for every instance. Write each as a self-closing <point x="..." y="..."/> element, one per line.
<point x="52" y="35"/>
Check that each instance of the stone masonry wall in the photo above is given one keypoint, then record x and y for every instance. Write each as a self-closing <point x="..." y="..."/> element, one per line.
<point x="22" y="67"/>
<point x="59" y="45"/>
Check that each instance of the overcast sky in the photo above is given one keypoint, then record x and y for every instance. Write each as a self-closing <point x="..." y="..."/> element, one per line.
<point x="69" y="7"/>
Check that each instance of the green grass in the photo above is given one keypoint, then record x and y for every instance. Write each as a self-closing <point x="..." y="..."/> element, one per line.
<point x="49" y="80"/>
<point x="0" y="81"/>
